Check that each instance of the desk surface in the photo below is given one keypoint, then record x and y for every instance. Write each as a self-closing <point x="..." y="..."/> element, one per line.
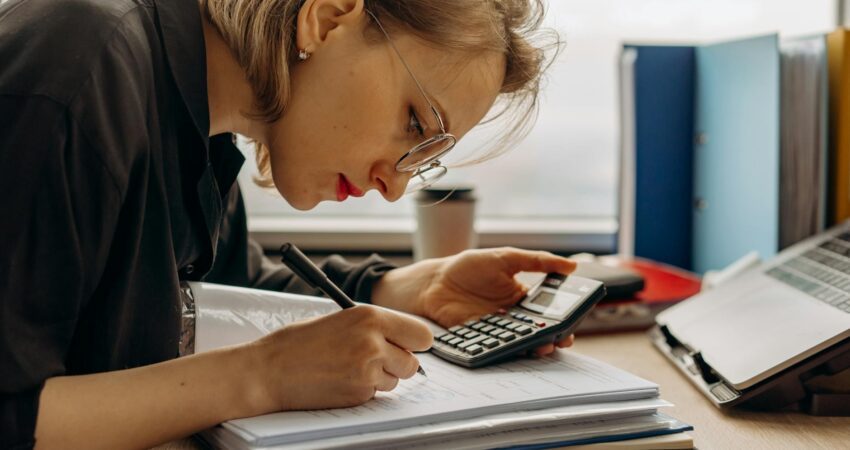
<point x="714" y="429"/>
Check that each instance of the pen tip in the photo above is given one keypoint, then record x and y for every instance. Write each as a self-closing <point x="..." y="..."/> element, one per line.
<point x="421" y="371"/>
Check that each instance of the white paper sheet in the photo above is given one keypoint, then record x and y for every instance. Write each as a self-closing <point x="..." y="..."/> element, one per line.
<point x="228" y="315"/>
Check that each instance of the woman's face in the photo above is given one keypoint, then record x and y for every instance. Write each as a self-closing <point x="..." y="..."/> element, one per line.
<point x="354" y="109"/>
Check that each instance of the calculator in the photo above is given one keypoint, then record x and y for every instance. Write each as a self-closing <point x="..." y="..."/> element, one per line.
<point x="550" y="312"/>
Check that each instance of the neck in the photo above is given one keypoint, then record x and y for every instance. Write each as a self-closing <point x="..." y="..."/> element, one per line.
<point x="228" y="92"/>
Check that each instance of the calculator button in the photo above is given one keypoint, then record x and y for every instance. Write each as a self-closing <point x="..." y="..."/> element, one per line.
<point x="507" y="336"/>
<point x="478" y="325"/>
<point x="455" y="341"/>
<point x="541" y="324"/>
<point x="446" y="338"/>
<point x="471" y="335"/>
<point x="521" y="316"/>
<point x="487" y="328"/>
<point x="496" y="331"/>
<point x="493" y="319"/>
<point x="523" y="330"/>
<point x="463" y="332"/>
<point x="487" y="317"/>
<point x="514" y="326"/>
<point x="490" y="342"/>
<point x="474" y="349"/>
<point x="455" y="329"/>
<point x="503" y="323"/>
<point x="469" y="323"/>
<point x="466" y="344"/>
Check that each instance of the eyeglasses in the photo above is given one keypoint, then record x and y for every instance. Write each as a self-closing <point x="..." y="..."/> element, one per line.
<point x="423" y="159"/>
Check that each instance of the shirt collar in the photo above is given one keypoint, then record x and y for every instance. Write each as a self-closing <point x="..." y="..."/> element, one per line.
<point x="183" y="36"/>
<point x="226" y="160"/>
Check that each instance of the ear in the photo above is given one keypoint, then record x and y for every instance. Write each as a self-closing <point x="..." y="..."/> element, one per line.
<point x="317" y="19"/>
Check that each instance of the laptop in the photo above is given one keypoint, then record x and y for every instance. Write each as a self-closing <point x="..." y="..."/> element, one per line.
<point x="782" y="316"/>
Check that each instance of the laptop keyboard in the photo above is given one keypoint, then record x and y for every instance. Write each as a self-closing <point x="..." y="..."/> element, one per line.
<point x="822" y="272"/>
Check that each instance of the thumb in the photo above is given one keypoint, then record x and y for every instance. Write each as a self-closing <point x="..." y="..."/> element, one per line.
<point x="519" y="260"/>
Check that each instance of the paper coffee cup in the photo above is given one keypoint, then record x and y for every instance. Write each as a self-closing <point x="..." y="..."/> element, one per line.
<point x="445" y="219"/>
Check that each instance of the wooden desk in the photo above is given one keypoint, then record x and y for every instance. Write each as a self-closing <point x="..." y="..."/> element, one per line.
<point x="714" y="429"/>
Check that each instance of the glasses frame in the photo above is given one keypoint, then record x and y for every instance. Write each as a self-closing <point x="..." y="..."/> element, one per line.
<point x="432" y="163"/>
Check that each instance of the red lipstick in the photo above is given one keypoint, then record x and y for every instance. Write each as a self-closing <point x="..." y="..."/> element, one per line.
<point x="341" y="188"/>
<point x="345" y="188"/>
<point x="352" y="189"/>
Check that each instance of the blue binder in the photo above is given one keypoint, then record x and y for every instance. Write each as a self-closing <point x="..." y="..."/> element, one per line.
<point x="664" y="121"/>
<point x="736" y="160"/>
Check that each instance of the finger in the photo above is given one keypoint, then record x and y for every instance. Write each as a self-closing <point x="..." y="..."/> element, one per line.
<point x="544" y="350"/>
<point x="400" y="363"/>
<point x="519" y="260"/>
<point x="406" y="332"/>
<point x="386" y="382"/>
<point x="566" y="342"/>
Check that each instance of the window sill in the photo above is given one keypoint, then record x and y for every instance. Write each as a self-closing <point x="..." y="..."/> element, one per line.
<point x="395" y="234"/>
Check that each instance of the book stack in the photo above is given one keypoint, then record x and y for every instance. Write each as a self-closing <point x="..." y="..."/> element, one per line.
<point x="566" y="399"/>
<point x="560" y="400"/>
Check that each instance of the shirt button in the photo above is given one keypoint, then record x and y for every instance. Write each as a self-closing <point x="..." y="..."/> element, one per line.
<point x="189" y="269"/>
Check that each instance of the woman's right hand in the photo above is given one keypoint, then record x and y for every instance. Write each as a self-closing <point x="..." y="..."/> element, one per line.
<point x="337" y="360"/>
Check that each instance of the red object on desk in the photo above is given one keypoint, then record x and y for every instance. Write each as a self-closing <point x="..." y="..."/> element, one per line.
<point x="663" y="283"/>
<point x="664" y="286"/>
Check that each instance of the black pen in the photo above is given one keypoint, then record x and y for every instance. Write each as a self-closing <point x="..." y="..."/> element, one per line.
<point x="307" y="271"/>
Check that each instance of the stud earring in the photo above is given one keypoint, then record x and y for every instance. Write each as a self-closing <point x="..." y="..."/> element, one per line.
<point x="303" y="55"/>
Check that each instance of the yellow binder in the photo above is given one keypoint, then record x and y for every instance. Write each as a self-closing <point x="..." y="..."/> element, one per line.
<point x="838" y="43"/>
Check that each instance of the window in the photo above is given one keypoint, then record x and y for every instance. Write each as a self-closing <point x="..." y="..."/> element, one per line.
<point x="557" y="189"/>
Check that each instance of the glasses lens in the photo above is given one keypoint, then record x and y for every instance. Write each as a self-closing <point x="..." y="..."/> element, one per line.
<point x="425" y="177"/>
<point x="426" y="153"/>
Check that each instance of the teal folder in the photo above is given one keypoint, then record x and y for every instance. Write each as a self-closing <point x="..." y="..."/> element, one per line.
<point x="736" y="155"/>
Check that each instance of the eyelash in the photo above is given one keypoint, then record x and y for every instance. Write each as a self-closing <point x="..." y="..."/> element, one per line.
<point x="414" y="124"/>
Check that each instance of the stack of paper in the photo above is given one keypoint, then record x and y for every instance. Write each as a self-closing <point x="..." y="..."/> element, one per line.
<point x="565" y="398"/>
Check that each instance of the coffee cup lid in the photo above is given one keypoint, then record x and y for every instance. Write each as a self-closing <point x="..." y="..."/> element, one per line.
<point x="437" y="193"/>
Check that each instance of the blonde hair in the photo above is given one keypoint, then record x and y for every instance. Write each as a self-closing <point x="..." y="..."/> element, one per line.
<point x="261" y="34"/>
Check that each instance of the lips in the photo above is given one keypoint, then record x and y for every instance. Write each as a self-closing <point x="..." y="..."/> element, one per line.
<point x="344" y="188"/>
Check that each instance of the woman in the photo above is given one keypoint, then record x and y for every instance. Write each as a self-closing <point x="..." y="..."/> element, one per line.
<point x="116" y="152"/>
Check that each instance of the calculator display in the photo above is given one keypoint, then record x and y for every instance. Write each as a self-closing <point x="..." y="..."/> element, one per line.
<point x="552" y="303"/>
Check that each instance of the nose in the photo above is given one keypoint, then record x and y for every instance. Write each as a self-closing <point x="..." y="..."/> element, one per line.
<point x="390" y="182"/>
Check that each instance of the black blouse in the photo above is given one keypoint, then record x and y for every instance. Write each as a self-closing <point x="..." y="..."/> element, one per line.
<point x="112" y="194"/>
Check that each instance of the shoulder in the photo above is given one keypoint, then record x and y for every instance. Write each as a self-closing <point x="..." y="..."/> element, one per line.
<point x="53" y="45"/>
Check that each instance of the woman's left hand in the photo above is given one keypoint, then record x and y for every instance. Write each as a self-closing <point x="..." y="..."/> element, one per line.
<point x="470" y="284"/>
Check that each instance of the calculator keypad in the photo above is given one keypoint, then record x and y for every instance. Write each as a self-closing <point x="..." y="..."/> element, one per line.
<point x="488" y="332"/>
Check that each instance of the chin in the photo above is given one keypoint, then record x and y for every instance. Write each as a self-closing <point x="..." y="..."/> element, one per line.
<point x="302" y="201"/>
<point x="303" y="206"/>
